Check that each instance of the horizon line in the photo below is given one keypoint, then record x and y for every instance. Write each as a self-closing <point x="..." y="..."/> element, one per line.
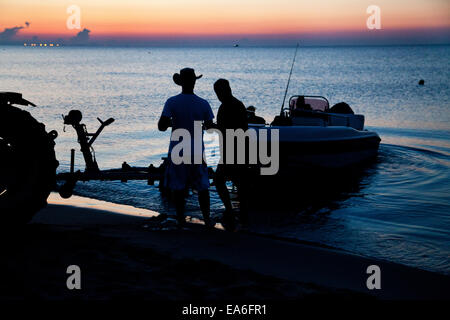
<point x="130" y="45"/>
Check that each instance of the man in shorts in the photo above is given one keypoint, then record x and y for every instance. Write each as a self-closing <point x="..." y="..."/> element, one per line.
<point x="180" y="112"/>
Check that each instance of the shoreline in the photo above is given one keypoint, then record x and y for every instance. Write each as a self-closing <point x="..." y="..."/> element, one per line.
<point x="125" y="209"/>
<point x="121" y="244"/>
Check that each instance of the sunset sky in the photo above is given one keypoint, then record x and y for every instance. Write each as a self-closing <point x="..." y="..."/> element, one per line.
<point x="262" y="20"/>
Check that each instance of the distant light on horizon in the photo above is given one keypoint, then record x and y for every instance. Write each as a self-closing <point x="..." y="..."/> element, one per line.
<point x="40" y="44"/>
<point x="272" y="21"/>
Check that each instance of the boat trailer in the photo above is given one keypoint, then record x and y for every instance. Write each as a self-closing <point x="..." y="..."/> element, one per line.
<point x="92" y="171"/>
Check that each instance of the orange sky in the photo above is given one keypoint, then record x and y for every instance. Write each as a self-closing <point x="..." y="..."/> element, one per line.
<point x="140" y="18"/>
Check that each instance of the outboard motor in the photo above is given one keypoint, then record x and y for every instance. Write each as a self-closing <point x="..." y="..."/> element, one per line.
<point x="86" y="139"/>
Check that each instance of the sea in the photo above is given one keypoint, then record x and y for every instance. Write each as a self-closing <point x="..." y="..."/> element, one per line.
<point x="398" y="211"/>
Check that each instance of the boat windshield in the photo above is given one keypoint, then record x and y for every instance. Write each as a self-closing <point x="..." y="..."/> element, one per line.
<point x="316" y="103"/>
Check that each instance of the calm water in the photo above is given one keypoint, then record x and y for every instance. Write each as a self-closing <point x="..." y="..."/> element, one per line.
<point x="398" y="209"/>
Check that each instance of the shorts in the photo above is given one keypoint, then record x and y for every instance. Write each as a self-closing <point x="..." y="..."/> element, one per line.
<point x="182" y="176"/>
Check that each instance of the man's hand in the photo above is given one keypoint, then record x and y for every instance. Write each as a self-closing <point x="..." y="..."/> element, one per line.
<point x="164" y="123"/>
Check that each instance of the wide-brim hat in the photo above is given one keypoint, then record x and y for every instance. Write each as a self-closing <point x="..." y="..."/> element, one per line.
<point x="186" y="74"/>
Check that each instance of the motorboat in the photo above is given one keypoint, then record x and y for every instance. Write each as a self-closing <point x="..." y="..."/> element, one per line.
<point x="313" y="135"/>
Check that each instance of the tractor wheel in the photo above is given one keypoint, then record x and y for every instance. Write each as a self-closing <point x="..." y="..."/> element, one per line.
<point x="27" y="165"/>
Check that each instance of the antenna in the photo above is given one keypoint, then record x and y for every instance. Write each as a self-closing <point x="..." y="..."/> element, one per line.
<point x="289" y="80"/>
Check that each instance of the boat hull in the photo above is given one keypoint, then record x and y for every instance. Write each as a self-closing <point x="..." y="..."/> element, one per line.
<point x="324" y="147"/>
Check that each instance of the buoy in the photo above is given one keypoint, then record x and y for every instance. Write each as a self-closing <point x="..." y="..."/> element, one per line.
<point x="421" y="82"/>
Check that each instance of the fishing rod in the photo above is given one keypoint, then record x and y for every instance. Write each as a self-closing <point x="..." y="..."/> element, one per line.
<point x="289" y="80"/>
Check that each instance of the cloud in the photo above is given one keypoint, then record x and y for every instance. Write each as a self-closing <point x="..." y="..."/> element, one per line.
<point x="82" y="37"/>
<point x="8" y="34"/>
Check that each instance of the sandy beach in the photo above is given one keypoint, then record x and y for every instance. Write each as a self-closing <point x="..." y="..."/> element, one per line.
<point x="122" y="255"/>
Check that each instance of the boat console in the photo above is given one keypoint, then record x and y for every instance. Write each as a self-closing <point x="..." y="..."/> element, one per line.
<point x="315" y="111"/>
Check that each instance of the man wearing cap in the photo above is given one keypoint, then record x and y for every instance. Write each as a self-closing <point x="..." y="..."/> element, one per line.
<point x="180" y="112"/>
<point x="253" y="118"/>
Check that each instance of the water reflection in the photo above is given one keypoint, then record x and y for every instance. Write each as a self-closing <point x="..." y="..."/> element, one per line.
<point x="307" y="196"/>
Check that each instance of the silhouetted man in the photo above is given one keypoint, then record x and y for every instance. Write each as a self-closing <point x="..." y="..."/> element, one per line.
<point x="180" y="112"/>
<point x="253" y="118"/>
<point x="301" y="105"/>
<point x="231" y="115"/>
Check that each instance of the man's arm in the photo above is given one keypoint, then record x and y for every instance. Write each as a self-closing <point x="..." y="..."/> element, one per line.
<point x="164" y="123"/>
<point x="165" y="120"/>
<point x="208" y="118"/>
<point x="243" y="117"/>
<point x="209" y="124"/>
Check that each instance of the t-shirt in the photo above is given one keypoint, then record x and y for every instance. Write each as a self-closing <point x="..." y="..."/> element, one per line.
<point x="231" y="115"/>
<point x="184" y="109"/>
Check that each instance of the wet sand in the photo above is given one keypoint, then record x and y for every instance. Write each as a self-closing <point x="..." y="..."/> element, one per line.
<point x="122" y="256"/>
